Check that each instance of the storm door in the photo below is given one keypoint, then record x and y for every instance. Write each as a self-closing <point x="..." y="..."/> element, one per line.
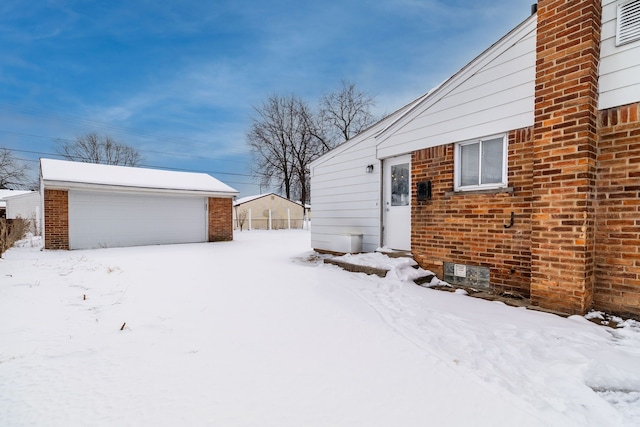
<point x="397" y="203"/>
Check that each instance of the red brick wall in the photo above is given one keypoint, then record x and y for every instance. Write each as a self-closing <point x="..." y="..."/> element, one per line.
<point x="564" y="153"/>
<point x="617" y="270"/>
<point x="468" y="227"/>
<point x="56" y="219"/>
<point x="220" y="219"/>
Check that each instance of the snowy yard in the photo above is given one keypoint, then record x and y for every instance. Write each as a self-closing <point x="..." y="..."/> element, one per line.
<point x="250" y="333"/>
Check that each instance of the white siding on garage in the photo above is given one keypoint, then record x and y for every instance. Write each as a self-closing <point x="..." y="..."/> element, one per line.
<point x="109" y="219"/>
<point x="493" y="94"/>
<point x="619" y="73"/>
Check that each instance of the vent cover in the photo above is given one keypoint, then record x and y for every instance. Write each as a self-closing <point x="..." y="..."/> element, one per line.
<point x="628" y="22"/>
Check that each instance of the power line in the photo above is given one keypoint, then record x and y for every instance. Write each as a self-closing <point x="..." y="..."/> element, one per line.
<point x="148" y="166"/>
<point x="141" y="150"/>
<point x="87" y="122"/>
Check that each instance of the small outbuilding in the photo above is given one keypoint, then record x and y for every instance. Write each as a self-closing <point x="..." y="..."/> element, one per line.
<point x="269" y="211"/>
<point x="25" y="205"/>
<point x="88" y="205"/>
<point x="4" y="195"/>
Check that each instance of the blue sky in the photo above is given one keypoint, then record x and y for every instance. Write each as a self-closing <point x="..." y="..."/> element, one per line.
<point x="178" y="79"/>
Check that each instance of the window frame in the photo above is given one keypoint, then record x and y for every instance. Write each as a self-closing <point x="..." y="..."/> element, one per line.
<point x="458" y="164"/>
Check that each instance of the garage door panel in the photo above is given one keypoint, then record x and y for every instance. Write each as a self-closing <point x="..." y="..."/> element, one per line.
<point x="117" y="219"/>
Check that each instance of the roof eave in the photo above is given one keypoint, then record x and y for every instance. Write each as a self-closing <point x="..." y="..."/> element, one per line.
<point x="70" y="185"/>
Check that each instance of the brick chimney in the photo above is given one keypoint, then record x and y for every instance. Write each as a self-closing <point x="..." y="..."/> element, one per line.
<point x="565" y="143"/>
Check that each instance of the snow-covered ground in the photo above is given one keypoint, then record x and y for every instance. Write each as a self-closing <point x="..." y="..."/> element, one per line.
<point x="253" y="333"/>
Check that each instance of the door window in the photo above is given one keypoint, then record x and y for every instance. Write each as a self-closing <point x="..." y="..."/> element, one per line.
<point x="400" y="185"/>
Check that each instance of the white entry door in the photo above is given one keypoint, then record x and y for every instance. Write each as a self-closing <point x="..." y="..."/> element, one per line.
<point x="397" y="203"/>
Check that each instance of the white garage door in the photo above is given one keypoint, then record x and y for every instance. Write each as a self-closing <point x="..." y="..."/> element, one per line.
<point x="127" y="219"/>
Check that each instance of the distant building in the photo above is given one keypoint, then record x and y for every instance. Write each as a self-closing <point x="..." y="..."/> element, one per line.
<point x="8" y="193"/>
<point x="269" y="212"/>
<point x="25" y="205"/>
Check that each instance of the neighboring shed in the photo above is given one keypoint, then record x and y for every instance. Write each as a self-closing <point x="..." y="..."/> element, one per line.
<point x="8" y="193"/>
<point x="27" y="207"/>
<point x="88" y="205"/>
<point x="268" y="212"/>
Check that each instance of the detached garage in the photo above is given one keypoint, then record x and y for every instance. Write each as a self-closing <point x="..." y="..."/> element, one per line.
<point x="88" y="205"/>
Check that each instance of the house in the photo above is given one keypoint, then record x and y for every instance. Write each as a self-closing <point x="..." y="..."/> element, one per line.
<point x="25" y="205"/>
<point x="6" y="193"/>
<point x="520" y="173"/>
<point x="269" y="211"/>
<point x="88" y="205"/>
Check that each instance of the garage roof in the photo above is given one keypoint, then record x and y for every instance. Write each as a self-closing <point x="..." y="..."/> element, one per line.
<point x="63" y="173"/>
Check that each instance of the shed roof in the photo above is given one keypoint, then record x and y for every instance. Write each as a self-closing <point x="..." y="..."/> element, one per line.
<point x="63" y="172"/>
<point x="10" y="193"/>
<point x="248" y="199"/>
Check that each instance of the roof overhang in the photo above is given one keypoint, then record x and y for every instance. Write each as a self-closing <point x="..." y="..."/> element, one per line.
<point x="69" y="185"/>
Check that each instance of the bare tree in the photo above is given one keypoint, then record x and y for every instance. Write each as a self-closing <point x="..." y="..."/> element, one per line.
<point x="274" y="133"/>
<point x="241" y="217"/>
<point x="286" y="135"/>
<point x="310" y="145"/>
<point x="345" y="113"/>
<point x="94" y="148"/>
<point x="13" y="172"/>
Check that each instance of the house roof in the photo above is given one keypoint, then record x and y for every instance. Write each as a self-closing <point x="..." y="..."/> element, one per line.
<point x="373" y="130"/>
<point x="78" y="174"/>
<point x="10" y="193"/>
<point x="380" y="130"/>
<point x="417" y="106"/>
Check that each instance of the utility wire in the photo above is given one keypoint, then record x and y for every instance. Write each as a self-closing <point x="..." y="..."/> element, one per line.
<point x="141" y="150"/>
<point x="148" y="166"/>
<point x="102" y="125"/>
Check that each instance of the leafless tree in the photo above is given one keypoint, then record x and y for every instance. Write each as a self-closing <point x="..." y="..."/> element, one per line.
<point x="286" y="135"/>
<point x="13" y="172"/>
<point x="94" y="148"/>
<point x="345" y="113"/>
<point x="241" y="217"/>
<point x="275" y="131"/>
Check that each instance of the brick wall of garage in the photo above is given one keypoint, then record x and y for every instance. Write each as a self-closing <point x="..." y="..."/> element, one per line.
<point x="220" y="219"/>
<point x="56" y="219"/>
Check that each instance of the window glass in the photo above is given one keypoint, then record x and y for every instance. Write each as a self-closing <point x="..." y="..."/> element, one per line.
<point x="400" y="185"/>
<point x="480" y="164"/>
<point x="469" y="164"/>
<point x="492" y="161"/>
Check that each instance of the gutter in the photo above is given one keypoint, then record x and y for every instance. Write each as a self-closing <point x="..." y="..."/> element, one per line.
<point x="68" y="185"/>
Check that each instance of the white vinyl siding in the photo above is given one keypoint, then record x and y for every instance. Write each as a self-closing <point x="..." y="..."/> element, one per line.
<point x="26" y="206"/>
<point x="109" y="219"/>
<point x="628" y="22"/>
<point x="619" y="70"/>
<point x="345" y="198"/>
<point x="493" y="94"/>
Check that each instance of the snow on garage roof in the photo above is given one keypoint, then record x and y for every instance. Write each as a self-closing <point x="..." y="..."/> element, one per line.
<point x="63" y="172"/>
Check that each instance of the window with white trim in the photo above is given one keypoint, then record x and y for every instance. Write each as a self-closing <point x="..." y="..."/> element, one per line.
<point x="481" y="164"/>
